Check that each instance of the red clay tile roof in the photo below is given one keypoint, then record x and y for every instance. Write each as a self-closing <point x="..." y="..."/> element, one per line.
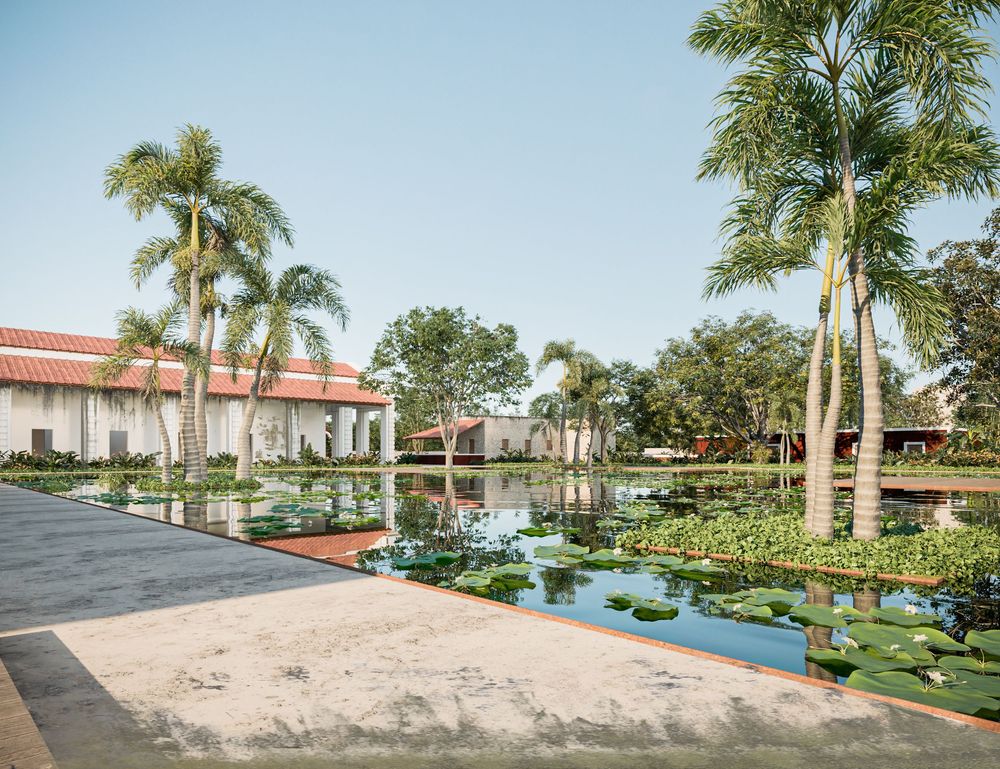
<point x="434" y="432"/>
<point x="99" y="345"/>
<point x="76" y="373"/>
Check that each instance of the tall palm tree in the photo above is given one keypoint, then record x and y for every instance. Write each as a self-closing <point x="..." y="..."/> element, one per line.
<point x="926" y="59"/>
<point x="144" y="337"/>
<point x="278" y="309"/>
<point x="184" y="182"/>
<point x="562" y="352"/>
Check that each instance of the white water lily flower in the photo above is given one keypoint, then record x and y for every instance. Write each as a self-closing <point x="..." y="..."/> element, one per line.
<point x="617" y="551"/>
<point x="851" y="642"/>
<point x="737" y="606"/>
<point x="617" y="571"/>
<point x="706" y="582"/>
<point x="936" y="676"/>
<point x="910" y="609"/>
<point x="839" y="610"/>
<point x="706" y="561"/>
<point x="546" y="525"/>
<point x="919" y="638"/>
<point x="895" y="648"/>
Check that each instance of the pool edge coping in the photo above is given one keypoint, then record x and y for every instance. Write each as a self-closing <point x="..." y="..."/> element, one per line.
<point x="980" y="723"/>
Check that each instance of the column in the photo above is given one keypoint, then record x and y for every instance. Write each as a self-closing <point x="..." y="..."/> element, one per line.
<point x="88" y="439"/>
<point x="342" y="418"/>
<point x="387" y="485"/>
<point x="235" y="413"/>
<point x="361" y="424"/>
<point x="388" y="433"/>
<point x="5" y="408"/>
<point x="292" y="430"/>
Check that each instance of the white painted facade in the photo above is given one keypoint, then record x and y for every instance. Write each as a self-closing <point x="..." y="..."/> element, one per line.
<point x="36" y="414"/>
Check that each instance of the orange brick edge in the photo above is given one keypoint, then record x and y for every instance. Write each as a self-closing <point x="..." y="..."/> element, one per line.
<point x="910" y="578"/>
<point x="979" y="723"/>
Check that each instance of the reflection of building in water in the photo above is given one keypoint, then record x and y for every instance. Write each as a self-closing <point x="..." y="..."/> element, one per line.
<point x="569" y="491"/>
<point x="929" y="508"/>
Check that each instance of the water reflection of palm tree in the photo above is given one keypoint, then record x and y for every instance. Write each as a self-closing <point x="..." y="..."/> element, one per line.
<point x="196" y="515"/>
<point x="819" y="637"/>
<point x="867" y="599"/>
<point x="165" y="510"/>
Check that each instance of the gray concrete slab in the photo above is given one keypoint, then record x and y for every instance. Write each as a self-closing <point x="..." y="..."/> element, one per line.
<point x="138" y="644"/>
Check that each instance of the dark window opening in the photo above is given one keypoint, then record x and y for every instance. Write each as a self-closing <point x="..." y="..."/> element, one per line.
<point x="527" y="446"/>
<point x="472" y="446"/>
<point x="117" y="442"/>
<point x="505" y="444"/>
<point x="41" y="442"/>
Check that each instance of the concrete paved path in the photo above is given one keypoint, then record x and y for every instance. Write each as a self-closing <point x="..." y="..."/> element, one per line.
<point x="138" y="644"/>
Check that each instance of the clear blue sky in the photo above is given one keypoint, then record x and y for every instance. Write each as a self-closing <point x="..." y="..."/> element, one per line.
<point x="533" y="161"/>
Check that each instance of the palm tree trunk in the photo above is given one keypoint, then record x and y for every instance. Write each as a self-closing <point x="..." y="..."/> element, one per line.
<point x="201" y="395"/>
<point x="166" y="456"/>
<point x="814" y="393"/>
<point x="871" y="426"/>
<point x="562" y="422"/>
<point x="822" y="521"/>
<point x="868" y="463"/>
<point x="243" y="458"/>
<point x="819" y="637"/>
<point x="189" y="436"/>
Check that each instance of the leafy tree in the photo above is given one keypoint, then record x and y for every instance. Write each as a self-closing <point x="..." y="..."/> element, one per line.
<point x="151" y="337"/>
<point x="923" y="58"/>
<point x="278" y="309"/>
<point x="441" y="356"/>
<point x="922" y="408"/>
<point x="968" y="274"/>
<point x="730" y="371"/>
<point x="184" y="183"/>
<point x="549" y="409"/>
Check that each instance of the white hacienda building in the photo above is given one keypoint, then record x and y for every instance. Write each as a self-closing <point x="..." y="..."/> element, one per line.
<point x="45" y="403"/>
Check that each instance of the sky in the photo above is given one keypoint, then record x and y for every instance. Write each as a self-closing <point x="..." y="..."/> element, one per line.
<point x="534" y="161"/>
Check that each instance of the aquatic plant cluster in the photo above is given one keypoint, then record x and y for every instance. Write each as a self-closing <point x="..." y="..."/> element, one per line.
<point x="961" y="554"/>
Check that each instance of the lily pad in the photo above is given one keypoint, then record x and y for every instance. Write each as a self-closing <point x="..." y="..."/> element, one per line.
<point x="471" y="580"/>
<point x="968" y="663"/>
<point x="824" y="616"/>
<point x="896" y="616"/>
<point x="539" y="531"/>
<point x="607" y="559"/>
<point x="988" y="685"/>
<point x="568" y="548"/>
<point x="780" y="601"/>
<point x="987" y="640"/>
<point x="909" y="687"/>
<point x="662" y="560"/>
<point x="426" y="560"/>
<point x="643" y="609"/>
<point x="846" y="661"/>
<point x="914" y="641"/>
<point x="698" y="570"/>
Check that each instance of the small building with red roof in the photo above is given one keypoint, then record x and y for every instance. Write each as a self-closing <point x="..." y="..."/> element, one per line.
<point x="46" y="403"/>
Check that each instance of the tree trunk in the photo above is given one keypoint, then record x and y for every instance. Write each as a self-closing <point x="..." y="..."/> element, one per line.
<point x="819" y="637"/>
<point x="201" y="394"/>
<point x="576" y="443"/>
<point x="871" y="426"/>
<point x="449" y="437"/>
<point x="868" y="463"/>
<point x="562" y="423"/>
<point x="590" y="447"/>
<point x="823" y="495"/>
<point x="189" y="436"/>
<point x="166" y="455"/>
<point x="814" y="390"/>
<point x="243" y="458"/>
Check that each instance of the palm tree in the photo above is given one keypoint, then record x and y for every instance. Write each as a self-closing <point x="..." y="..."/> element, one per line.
<point x="144" y="337"/>
<point x="922" y="57"/>
<point x="562" y="352"/>
<point x="184" y="183"/>
<point x="278" y="309"/>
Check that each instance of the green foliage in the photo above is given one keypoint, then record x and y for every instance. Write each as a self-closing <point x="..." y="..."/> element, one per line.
<point x="516" y="457"/>
<point x="61" y="461"/>
<point x="960" y="554"/>
<point x="916" y="689"/>
<point x="426" y="560"/>
<point x="447" y="364"/>
<point x="643" y="609"/>
<point x="214" y="482"/>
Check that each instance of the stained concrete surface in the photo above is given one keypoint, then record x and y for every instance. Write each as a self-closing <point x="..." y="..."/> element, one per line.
<point x="138" y="644"/>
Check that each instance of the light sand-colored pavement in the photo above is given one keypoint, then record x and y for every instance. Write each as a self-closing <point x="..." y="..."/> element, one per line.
<point x="138" y="644"/>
